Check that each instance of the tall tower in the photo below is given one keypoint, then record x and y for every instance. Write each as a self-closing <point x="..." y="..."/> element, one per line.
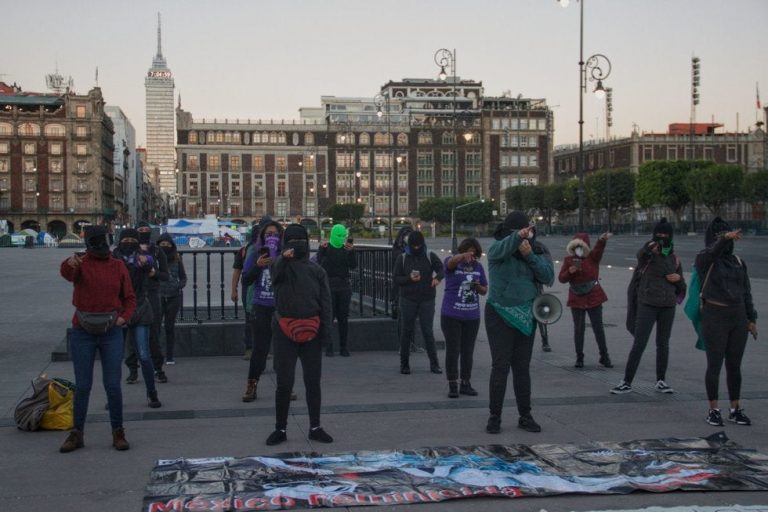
<point x="161" y="134"/>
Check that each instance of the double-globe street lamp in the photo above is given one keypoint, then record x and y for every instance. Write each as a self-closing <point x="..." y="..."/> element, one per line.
<point x="599" y="67"/>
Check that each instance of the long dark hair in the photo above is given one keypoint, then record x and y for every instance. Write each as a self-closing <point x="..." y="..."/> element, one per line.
<point x="470" y="243"/>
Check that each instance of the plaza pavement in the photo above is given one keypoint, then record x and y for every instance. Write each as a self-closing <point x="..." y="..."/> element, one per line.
<point x="367" y="405"/>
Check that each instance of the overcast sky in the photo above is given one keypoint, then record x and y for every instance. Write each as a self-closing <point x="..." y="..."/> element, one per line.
<point x="267" y="58"/>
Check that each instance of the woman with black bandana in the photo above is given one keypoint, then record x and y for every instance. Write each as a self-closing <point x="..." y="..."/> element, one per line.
<point x="301" y="324"/>
<point x="727" y="317"/>
<point x="170" y="293"/>
<point x="660" y="289"/>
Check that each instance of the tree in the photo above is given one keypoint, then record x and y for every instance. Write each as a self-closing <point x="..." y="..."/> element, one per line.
<point x="439" y="209"/>
<point x="756" y="192"/>
<point x="610" y="189"/>
<point x="514" y="197"/>
<point x="715" y="185"/>
<point x="552" y="200"/>
<point x="663" y="183"/>
<point x="532" y="198"/>
<point x="351" y="212"/>
<point x="436" y="209"/>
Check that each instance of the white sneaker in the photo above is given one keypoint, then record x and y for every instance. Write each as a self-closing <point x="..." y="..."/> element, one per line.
<point x="170" y="362"/>
<point x="622" y="388"/>
<point x="662" y="387"/>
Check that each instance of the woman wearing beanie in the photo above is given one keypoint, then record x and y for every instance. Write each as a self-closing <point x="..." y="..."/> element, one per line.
<point x="337" y="257"/>
<point x="465" y="281"/>
<point x="416" y="274"/>
<point x="581" y="270"/>
<point x="259" y="300"/>
<point x="301" y="323"/>
<point x="170" y="293"/>
<point x="141" y="267"/>
<point x="727" y="316"/>
<point x="516" y="273"/>
<point x="660" y="288"/>
<point x="101" y="285"/>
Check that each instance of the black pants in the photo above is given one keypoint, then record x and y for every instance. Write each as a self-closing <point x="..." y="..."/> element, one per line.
<point x="286" y="354"/>
<point x="510" y="348"/>
<point x="131" y="361"/>
<point x="724" y="330"/>
<point x="579" y="326"/>
<point x="261" y="326"/>
<point x="170" y="309"/>
<point x="340" y="299"/>
<point x="248" y="334"/>
<point x="460" y="338"/>
<point x="647" y="316"/>
<point x="409" y="312"/>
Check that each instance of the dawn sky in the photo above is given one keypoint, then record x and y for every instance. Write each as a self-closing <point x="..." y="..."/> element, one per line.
<point x="267" y="58"/>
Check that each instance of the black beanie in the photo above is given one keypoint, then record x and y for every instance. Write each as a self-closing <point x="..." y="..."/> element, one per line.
<point x="416" y="238"/>
<point x="94" y="231"/>
<point x="295" y="232"/>
<point x="144" y="224"/>
<point x="516" y="220"/>
<point x="129" y="233"/>
<point x="663" y="227"/>
<point x="717" y="226"/>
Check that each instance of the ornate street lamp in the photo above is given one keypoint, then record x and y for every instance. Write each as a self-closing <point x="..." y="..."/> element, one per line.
<point x="382" y="101"/>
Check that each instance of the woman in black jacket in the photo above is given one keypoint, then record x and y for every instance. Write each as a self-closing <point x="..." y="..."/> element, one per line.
<point x="170" y="293"/>
<point x="301" y="323"/>
<point x="660" y="289"/>
<point x="727" y="316"/>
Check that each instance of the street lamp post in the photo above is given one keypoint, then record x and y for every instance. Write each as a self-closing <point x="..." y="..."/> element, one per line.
<point x="447" y="58"/>
<point x="454" y="246"/>
<point x="382" y="100"/>
<point x="599" y="67"/>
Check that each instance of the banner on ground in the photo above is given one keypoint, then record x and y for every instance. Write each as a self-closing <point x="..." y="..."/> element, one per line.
<point x="301" y="480"/>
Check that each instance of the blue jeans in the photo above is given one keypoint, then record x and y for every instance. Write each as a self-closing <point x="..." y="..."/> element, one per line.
<point x="138" y="336"/>
<point x="110" y="347"/>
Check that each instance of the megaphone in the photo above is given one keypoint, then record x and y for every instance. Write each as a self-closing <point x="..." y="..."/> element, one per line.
<point x="547" y="309"/>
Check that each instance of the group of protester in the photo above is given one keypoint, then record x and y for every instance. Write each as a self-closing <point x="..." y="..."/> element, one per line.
<point x="291" y="302"/>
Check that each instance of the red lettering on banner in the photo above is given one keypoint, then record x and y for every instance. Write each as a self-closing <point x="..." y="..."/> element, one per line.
<point x="283" y="501"/>
<point x="434" y="495"/>
<point x="257" y="503"/>
<point x="175" y="505"/>
<point x="343" y="499"/>
<point x="220" y="504"/>
<point x="413" y="497"/>
<point x="511" y="491"/>
<point x="450" y="493"/>
<point x="197" y="505"/>
<point x="492" y="490"/>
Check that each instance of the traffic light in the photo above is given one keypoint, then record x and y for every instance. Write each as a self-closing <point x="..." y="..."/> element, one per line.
<point x="695" y="79"/>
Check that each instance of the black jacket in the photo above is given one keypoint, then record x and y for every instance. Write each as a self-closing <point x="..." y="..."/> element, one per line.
<point x="302" y="291"/>
<point x="654" y="289"/>
<point x="153" y="285"/>
<point x="337" y="263"/>
<point x="728" y="282"/>
<point x="429" y="266"/>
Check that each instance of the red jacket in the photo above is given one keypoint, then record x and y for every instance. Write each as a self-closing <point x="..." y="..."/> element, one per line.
<point x="589" y="273"/>
<point x="100" y="286"/>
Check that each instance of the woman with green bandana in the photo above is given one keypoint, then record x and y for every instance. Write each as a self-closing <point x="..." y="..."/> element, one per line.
<point x="660" y="289"/>
<point x="516" y="272"/>
<point x="337" y="257"/>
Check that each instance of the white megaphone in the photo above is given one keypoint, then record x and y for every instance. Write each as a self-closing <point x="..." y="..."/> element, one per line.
<point x="547" y="309"/>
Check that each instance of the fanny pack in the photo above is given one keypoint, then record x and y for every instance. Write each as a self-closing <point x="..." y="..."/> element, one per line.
<point x="300" y="330"/>
<point x="96" y="323"/>
<point x="583" y="288"/>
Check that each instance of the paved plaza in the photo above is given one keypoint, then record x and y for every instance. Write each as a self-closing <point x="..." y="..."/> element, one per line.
<point x="367" y="404"/>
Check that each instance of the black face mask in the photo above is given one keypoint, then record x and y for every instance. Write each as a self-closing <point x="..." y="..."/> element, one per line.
<point x="167" y="250"/>
<point x="417" y="252"/>
<point x="663" y="242"/>
<point x="129" y="247"/>
<point x="300" y="248"/>
<point x="144" y="237"/>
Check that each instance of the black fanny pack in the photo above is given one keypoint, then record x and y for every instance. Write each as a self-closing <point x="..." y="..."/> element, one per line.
<point x="96" y="323"/>
<point x="583" y="288"/>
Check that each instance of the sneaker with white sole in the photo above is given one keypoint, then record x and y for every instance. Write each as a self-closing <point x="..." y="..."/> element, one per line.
<point x="715" y="418"/>
<point x="623" y="387"/>
<point x="738" y="417"/>
<point x="662" y="387"/>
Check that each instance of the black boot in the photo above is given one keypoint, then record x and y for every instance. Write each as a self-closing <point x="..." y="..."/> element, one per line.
<point x="453" y="389"/>
<point x="152" y="400"/>
<point x="579" y="361"/>
<point x="606" y="361"/>
<point x="343" y="352"/>
<point x="467" y="389"/>
<point x="405" y="368"/>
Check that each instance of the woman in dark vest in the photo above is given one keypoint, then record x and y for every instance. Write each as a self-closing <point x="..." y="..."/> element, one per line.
<point x="170" y="293"/>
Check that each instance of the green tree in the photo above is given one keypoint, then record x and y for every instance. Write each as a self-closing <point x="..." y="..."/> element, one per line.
<point x="350" y="212"/>
<point x="439" y="209"/>
<point x="610" y="190"/>
<point x="514" y="197"/>
<point x="552" y="200"/>
<point x="756" y="191"/>
<point x="663" y="183"/>
<point x="436" y="209"/>
<point x="715" y="185"/>
<point x="532" y="198"/>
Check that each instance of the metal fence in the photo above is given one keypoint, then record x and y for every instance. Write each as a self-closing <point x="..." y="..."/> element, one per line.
<point x="207" y="296"/>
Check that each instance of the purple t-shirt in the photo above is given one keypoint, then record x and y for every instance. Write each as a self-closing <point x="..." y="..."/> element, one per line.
<point x="460" y="301"/>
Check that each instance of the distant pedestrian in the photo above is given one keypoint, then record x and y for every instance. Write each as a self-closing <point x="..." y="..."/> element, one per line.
<point x="260" y="300"/>
<point x="301" y="324"/>
<point x="516" y="273"/>
<point x="142" y="267"/>
<point x="660" y="288"/>
<point x="581" y="270"/>
<point x="170" y="293"/>
<point x="465" y="281"/>
<point x="728" y="315"/>
<point x="337" y="257"/>
<point x="101" y="285"/>
<point x="417" y="273"/>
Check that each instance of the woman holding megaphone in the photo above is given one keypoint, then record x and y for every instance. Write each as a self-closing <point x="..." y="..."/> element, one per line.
<point x="581" y="270"/>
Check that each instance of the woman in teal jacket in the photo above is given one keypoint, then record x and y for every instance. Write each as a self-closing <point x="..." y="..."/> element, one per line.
<point x="515" y="273"/>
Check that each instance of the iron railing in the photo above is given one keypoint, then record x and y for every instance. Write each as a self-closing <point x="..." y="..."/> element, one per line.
<point x="206" y="298"/>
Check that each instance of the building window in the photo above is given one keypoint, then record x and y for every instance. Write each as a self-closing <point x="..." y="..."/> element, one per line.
<point x="81" y="131"/>
<point x="30" y="148"/>
<point x="193" y="162"/>
<point x="235" y="189"/>
<point x="194" y="188"/>
<point x="447" y="175"/>
<point x="600" y="160"/>
<point x="345" y="160"/>
<point x="365" y="160"/>
<point x="447" y="190"/>
<point x="56" y="184"/>
<point x="81" y="149"/>
<point x="57" y="202"/>
<point x="402" y="139"/>
<point x="5" y="164"/>
<point x="258" y="162"/>
<point x="281" y="138"/>
<point x="29" y="130"/>
<point x="730" y="153"/>
<point x="4" y="183"/>
<point x="281" y="207"/>
<point x="671" y="152"/>
<point x="214" y="162"/>
<point x="281" y="163"/>
<point x="30" y="202"/>
<point x="448" y="138"/>
<point x="612" y="157"/>
<point x="80" y="111"/>
<point x="56" y="165"/>
<point x="425" y="138"/>
<point x="219" y="137"/>
<point x="236" y="139"/>
<point x="213" y="188"/>
<point x="55" y="148"/>
<point x="256" y="138"/>
<point x="365" y="139"/>
<point x="282" y="188"/>
<point x="345" y="138"/>
<point x="533" y="160"/>
<point x="309" y="139"/>
<point x="6" y="129"/>
<point x="382" y="139"/>
<point x="55" y="130"/>
<point x="473" y="159"/>
<point x="447" y="159"/>
<point x="30" y="165"/>
<point x="234" y="163"/>
<point x="273" y="138"/>
<point x="193" y="137"/>
<point x="472" y="191"/>
<point x="258" y="208"/>
<point x="647" y="153"/>
<point x="228" y="137"/>
<point x="709" y="154"/>
<point x="81" y="166"/>
<point x="382" y="160"/>
<point x="5" y="148"/>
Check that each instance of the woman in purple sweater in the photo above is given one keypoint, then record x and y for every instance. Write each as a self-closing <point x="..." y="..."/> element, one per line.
<point x="465" y="281"/>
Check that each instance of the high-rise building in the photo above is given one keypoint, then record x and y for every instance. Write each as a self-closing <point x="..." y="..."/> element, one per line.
<point x="126" y="178"/>
<point x="161" y="153"/>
